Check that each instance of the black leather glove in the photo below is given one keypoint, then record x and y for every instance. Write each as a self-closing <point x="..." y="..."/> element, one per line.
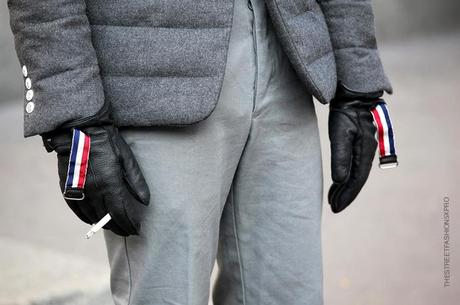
<point x="353" y="144"/>
<point x="114" y="182"/>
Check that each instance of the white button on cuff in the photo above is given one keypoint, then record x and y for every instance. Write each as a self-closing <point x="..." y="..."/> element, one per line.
<point x="24" y="71"/>
<point x="30" y="107"/>
<point x="28" y="83"/>
<point x="29" y="95"/>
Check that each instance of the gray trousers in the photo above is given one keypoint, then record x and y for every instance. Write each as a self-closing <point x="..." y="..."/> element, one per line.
<point x="243" y="186"/>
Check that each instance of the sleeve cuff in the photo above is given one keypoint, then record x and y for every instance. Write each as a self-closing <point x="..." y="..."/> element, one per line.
<point x="361" y="70"/>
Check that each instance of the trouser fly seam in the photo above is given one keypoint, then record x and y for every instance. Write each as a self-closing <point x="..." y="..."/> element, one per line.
<point x="256" y="59"/>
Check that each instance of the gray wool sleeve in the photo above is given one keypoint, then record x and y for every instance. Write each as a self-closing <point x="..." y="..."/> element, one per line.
<point x="58" y="60"/>
<point x="352" y="31"/>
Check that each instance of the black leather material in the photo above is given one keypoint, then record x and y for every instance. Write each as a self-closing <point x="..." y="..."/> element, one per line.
<point x="353" y="144"/>
<point x="114" y="182"/>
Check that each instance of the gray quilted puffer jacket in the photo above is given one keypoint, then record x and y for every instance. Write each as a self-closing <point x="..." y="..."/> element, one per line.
<point x="161" y="62"/>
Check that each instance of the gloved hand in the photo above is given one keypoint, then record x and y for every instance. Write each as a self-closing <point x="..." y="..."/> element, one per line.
<point x="353" y="144"/>
<point x="111" y="183"/>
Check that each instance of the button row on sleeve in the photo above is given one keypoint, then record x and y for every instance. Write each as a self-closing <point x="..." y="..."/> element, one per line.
<point x="30" y="106"/>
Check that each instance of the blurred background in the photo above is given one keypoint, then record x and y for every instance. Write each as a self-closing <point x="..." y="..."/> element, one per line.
<point x="386" y="249"/>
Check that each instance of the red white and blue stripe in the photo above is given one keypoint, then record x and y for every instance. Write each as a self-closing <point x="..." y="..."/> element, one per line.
<point x="78" y="161"/>
<point x="385" y="134"/>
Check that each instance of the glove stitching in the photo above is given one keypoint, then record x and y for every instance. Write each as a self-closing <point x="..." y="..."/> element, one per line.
<point x="350" y="118"/>
<point x="90" y="165"/>
<point x="129" y="184"/>
<point x="115" y="149"/>
<point x="347" y="115"/>
<point x="99" y="189"/>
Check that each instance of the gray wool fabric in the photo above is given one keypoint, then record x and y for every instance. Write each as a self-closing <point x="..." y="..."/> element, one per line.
<point x="163" y="62"/>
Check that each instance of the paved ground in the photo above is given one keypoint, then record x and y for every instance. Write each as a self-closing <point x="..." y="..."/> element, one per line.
<point x="385" y="249"/>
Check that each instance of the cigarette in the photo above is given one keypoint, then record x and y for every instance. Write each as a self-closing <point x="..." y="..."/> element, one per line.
<point x="96" y="227"/>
